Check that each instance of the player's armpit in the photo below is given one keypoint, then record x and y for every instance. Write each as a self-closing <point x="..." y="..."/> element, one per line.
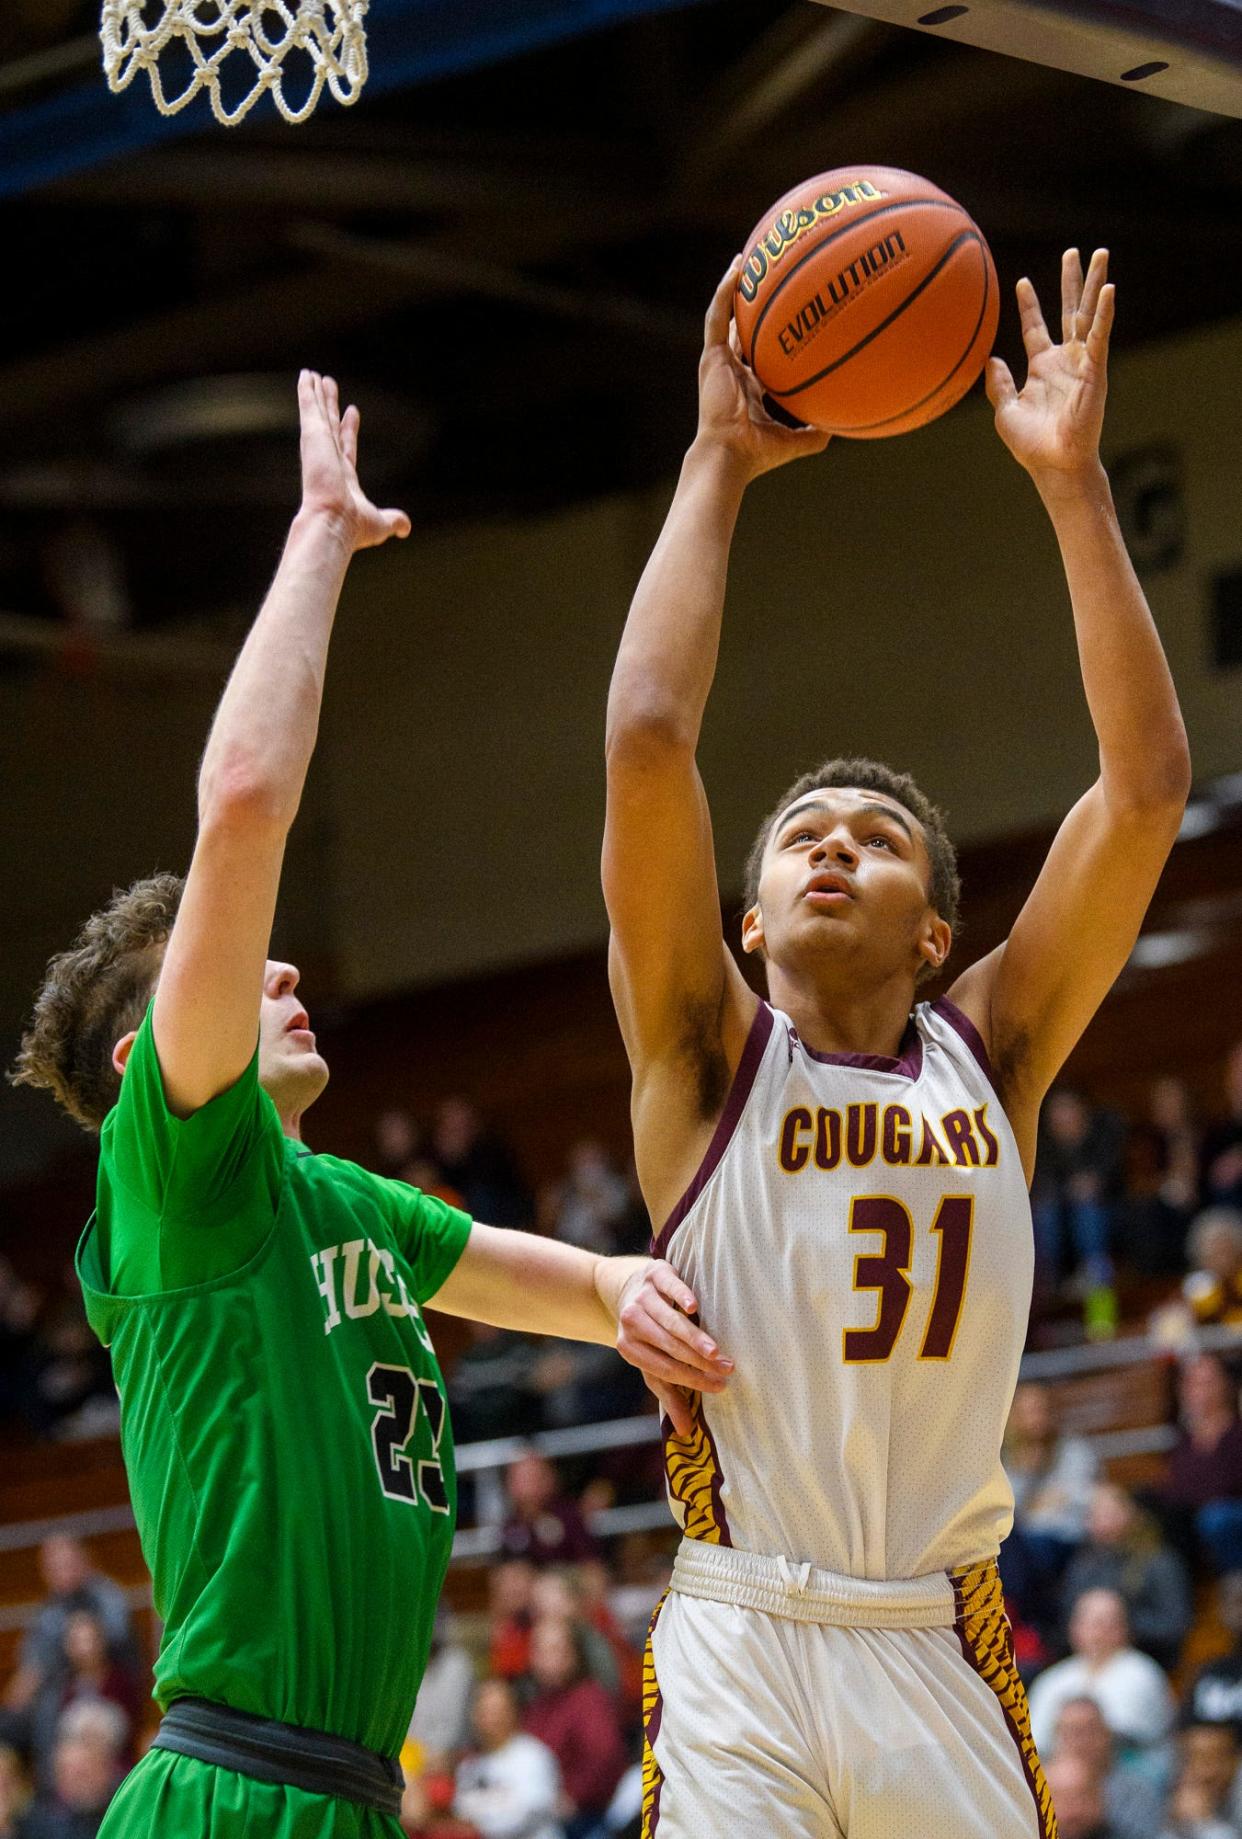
<point x="1034" y="995"/>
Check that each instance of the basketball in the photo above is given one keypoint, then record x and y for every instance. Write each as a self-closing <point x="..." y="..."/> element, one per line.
<point x="867" y="301"/>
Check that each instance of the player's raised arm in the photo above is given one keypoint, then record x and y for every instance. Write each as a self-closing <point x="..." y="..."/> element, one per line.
<point x="250" y="783"/>
<point x="676" y="989"/>
<point x="1035" y="994"/>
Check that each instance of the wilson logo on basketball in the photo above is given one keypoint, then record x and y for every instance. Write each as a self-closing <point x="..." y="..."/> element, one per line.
<point x="829" y="299"/>
<point x="786" y="230"/>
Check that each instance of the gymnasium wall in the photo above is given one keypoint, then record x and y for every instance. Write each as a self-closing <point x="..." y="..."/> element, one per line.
<point x="899" y="598"/>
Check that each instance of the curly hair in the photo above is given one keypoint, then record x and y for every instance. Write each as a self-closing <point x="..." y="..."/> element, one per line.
<point x="93" y="994"/>
<point x="871" y="776"/>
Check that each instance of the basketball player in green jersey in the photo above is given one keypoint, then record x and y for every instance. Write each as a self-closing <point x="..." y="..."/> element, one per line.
<point x="282" y="1413"/>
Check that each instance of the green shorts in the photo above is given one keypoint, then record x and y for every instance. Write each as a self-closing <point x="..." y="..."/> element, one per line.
<point x="178" y="1797"/>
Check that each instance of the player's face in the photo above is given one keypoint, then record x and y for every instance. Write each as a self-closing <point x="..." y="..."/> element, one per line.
<point x="291" y="1069"/>
<point x="846" y="874"/>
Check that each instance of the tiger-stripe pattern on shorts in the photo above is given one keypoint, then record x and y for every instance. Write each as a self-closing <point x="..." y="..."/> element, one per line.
<point x="653" y="1705"/>
<point x="983" y="1629"/>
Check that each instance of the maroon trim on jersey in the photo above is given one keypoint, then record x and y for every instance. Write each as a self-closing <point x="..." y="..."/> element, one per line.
<point x="908" y="1064"/>
<point x="962" y="1024"/>
<point x="722" y="1518"/>
<point x="735" y="1104"/>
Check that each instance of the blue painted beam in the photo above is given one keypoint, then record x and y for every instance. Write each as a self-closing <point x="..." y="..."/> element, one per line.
<point x="409" y="41"/>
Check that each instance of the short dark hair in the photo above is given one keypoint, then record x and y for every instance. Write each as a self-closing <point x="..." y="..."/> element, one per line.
<point x="93" y="994"/>
<point x="871" y="776"/>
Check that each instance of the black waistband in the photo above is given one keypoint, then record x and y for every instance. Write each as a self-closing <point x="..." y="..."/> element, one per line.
<point x="273" y="1752"/>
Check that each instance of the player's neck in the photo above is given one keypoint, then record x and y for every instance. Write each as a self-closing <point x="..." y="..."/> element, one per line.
<point x="833" y="1020"/>
<point x="291" y="1124"/>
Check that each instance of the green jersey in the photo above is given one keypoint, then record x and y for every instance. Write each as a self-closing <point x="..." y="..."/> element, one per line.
<point x="283" y="1417"/>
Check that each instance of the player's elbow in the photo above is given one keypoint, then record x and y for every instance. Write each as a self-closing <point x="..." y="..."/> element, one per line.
<point x="235" y="794"/>
<point x="1157" y="791"/>
<point x="645" y="732"/>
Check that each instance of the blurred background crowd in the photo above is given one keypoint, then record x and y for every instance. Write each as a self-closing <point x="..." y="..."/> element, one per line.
<point x="1123" y="1576"/>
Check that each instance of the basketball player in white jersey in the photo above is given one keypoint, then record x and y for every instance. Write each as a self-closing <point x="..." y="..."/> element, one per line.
<point x="840" y="1173"/>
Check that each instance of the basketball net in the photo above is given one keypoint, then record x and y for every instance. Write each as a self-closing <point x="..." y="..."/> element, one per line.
<point x="329" y="32"/>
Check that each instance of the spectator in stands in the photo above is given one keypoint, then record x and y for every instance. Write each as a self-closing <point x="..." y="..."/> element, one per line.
<point x="1123" y="1552"/>
<point x="19" y="1355"/>
<point x="1079" y="1175"/>
<point x="14" y="1792"/>
<point x="511" y="1789"/>
<point x="1214" y="1696"/>
<point x="74" y="1393"/>
<point x="441" y="1721"/>
<point x="1162" y="1179"/>
<point x="1213" y="1290"/>
<point x="557" y="1595"/>
<point x="511" y="1585"/>
<point x="32" y="1698"/>
<point x="480" y="1166"/>
<point x="84" y="1776"/>
<point x="578" y="1721"/>
<point x="594" y="1584"/>
<point x="1202" y="1486"/>
<point x="489" y="1389"/>
<point x="582" y="1383"/>
<point x="636" y="1583"/>
<point x="93" y="1672"/>
<point x="1133" y="1806"/>
<point x="543" y="1525"/>
<point x="1052" y="1475"/>
<point x="589" y="1207"/>
<point x="1204" y="1803"/>
<point x="1222" y="1142"/>
<point x="398" y="1140"/>
<point x="1078" y="1796"/>
<point x="1129" y="1687"/>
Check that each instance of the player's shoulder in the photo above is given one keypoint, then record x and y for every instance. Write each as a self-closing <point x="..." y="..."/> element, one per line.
<point x="951" y="1026"/>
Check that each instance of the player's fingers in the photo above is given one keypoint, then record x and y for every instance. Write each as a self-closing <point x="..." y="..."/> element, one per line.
<point x="332" y="402"/>
<point x="806" y="440"/>
<point x="1097" y="275"/>
<point x="999" y="383"/>
<point x="675" y="1288"/>
<point x="350" y="421"/>
<point x="720" y="312"/>
<point x="654" y="1325"/>
<point x="1034" y="332"/>
<point x="1102" y="324"/>
<point x="676" y="1407"/>
<point x="657" y="1365"/>
<point x="1071" y="292"/>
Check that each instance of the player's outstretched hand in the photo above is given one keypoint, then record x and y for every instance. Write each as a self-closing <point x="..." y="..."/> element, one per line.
<point x="330" y="467"/>
<point x="1052" y="425"/>
<point x="731" y="411"/>
<point x="655" y="1333"/>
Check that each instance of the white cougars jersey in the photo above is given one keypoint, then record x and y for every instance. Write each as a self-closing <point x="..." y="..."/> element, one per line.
<point x="859" y="1238"/>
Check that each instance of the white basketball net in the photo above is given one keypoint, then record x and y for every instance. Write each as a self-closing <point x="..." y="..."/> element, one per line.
<point x="328" y="32"/>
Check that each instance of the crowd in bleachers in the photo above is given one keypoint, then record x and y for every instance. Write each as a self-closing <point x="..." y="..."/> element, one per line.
<point x="1123" y="1603"/>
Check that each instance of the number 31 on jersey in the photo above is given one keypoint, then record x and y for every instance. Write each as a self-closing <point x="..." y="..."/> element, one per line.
<point x="888" y="1273"/>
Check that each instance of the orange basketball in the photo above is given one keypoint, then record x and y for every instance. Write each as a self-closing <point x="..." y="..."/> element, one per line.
<point x="867" y="301"/>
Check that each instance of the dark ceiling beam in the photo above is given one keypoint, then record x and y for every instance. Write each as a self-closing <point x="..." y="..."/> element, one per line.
<point x="221" y="179"/>
<point x="284" y="319"/>
<point x="799" y="53"/>
<point x="435" y="270"/>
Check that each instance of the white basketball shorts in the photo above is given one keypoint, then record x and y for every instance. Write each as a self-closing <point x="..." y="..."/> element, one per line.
<point x="784" y="1702"/>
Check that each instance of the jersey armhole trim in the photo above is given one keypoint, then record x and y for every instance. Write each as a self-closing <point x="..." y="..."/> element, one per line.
<point x="962" y="1025"/>
<point x="722" y="1136"/>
